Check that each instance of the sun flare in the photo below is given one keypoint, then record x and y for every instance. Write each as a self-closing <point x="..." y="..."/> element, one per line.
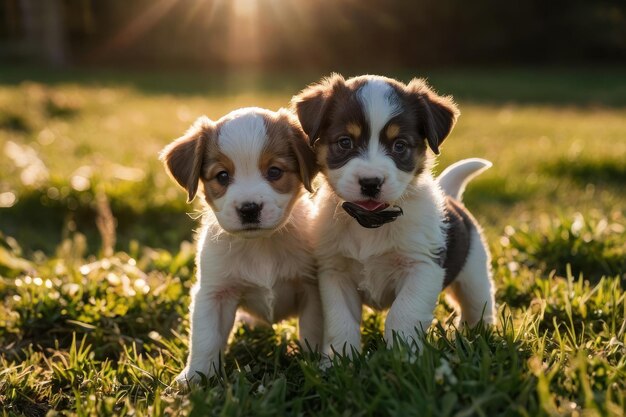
<point x="245" y="8"/>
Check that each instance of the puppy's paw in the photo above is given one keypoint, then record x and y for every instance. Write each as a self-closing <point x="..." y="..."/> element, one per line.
<point x="187" y="379"/>
<point x="326" y="362"/>
<point x="411" y="343"/>
<point x="485" y="321"/>
<point x="330" y="356"/>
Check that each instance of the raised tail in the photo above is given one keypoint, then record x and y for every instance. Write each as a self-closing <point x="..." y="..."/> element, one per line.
<point x="454" y="178"/>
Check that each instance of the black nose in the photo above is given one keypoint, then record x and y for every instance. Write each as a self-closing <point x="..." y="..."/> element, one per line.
<point x="249" y="212"/>
<point x="370" y="187"/>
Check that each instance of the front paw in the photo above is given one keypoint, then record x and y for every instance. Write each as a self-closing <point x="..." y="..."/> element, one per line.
<point x="409" y="341"/>
<point x="326" y="359"/>
<point x="330" y="354"/>
<point x="188" y="378"/>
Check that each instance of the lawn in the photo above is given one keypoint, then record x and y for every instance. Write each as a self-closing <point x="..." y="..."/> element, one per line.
<point x="96" y="255"/>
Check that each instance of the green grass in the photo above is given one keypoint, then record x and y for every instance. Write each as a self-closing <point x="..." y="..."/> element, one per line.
<point x="94" y="323"/>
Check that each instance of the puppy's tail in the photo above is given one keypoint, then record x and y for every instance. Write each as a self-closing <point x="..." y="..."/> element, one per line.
<point x="454" y="178"/>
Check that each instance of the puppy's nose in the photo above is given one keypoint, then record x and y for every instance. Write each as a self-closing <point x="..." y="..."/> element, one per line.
<point x="249" y="212"/>
<point x="370" y="187"/>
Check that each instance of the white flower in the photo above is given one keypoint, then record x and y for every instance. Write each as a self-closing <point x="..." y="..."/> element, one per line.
<point x="444" y="372"/>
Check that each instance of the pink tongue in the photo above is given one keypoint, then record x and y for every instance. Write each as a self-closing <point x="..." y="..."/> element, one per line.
<point x="371" y="205"/>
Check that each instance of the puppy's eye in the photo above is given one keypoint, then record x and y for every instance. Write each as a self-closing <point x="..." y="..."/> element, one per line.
<point x="274" y="173"/>
<point x="400" y="146"/>
<point x="223" y="178"/>
<point x="345" y="143"/>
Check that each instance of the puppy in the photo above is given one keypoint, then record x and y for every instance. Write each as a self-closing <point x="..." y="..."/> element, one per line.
<point x="388" y="236"/>
<point x="254" y="249"/>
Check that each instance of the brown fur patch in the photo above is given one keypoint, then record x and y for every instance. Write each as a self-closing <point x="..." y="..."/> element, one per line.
<point x="321" y="150"/>
<point x="286" y="148"/>
<point x="289" y="181"/>
<point x="312" y="103"/>
<point x="184" y="157"/>
<point x="393" y="130"/>
<point x="216" y="162"/>
<point x="278" y="152"/>
<point x="354" y="129"/>
<point x="438" y="114"/>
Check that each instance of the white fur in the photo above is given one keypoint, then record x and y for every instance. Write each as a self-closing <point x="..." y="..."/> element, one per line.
<point x="395" y="266"/>
<point x="271" y="276"/>
<point x="390" y="267"/>
<point x="242" y="136"/>
<point x="455" y="177"/>
<point x="380" y="104"/>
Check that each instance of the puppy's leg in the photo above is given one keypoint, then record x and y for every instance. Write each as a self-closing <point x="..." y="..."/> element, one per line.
<point x="212" y="318"/>
<point x="342" y="313"/>
<point x="473" y="288"/>
<point x="310" y="318"/>
<point x="412" y="310"/>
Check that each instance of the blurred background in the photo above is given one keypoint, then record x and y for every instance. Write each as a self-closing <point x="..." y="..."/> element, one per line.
<point x="91" y="90"/>
<point x="318" y="35"/>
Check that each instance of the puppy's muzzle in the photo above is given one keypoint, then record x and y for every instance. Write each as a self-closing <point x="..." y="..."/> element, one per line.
<point x="249" y="212"/>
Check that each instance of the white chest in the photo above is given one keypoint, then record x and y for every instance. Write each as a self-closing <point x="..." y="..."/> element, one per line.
<point x="361" y="245"/>
<point x="256" y="262"/>
<point x="379" y="260"/>
<point x="377" y="277"/>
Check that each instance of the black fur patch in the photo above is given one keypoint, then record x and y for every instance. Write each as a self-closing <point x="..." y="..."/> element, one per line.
<point x="348" y="112"/>
<point x="346" y="109"/>
<point x="408" y="132"/>
<point x="460" y="224"/>
<point x="372" y="219"/>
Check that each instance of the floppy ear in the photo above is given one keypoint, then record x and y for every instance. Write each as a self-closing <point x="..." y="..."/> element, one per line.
<point x="307" y="162"/>
<point x="183" y="158"/>
<point x="312" y="103"/>
<point x="436" y="114"/>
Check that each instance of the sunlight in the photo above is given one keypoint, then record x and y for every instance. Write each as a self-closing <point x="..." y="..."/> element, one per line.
<point x="243" y="43"/>
<point x="245" y="8"/>
<point x="240" y="26"/>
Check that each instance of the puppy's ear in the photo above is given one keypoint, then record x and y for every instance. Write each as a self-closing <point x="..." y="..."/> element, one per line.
<point x="436" y="114"/>
<point x="183" y="158"/>
<point x="311" y="105"/>
<point x="307" y="162"/>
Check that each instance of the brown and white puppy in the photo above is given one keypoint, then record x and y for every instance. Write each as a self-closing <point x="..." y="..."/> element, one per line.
<point x="387" y="234"/>
<point x="254" y="249"/>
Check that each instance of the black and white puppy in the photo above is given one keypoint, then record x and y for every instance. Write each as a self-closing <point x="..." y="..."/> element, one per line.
<point x="255" y="249"/>
<point x="387" y="234"/>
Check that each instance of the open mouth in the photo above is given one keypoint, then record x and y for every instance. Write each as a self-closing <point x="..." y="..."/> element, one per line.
<point x="371" y="205"/>
<point x="371" y="214"/>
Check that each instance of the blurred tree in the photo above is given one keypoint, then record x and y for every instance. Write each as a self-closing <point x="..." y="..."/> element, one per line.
<point x="315" y="34"/>
<point x="44" y="33"/>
